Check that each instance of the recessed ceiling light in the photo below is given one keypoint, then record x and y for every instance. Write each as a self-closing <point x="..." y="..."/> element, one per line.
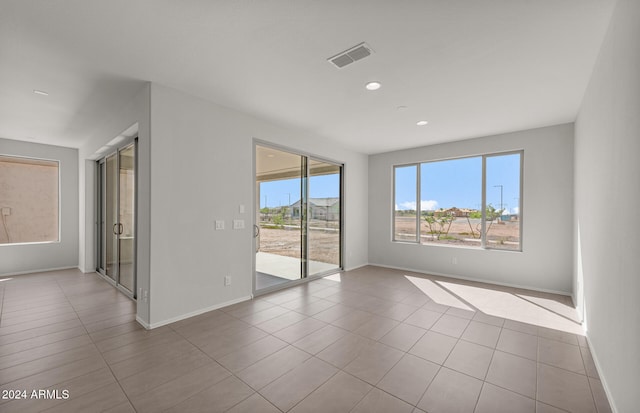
<point x="271" y="155"/>
<point x="402" y="108"/>
<point x="421" y="122"/>
<point x="40" y="92"/>
<point x="373" y="85"/>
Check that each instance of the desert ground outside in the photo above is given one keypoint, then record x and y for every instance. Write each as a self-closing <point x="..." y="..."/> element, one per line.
<point x="324" y="237"/>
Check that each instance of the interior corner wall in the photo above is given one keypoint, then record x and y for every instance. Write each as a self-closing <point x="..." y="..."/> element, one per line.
<point x="607" y="188"/>
<point x="24" y="258"/>
<point x="202" y="171"/>
<point x="130" y="113"/>
<point x="547" y="202"/>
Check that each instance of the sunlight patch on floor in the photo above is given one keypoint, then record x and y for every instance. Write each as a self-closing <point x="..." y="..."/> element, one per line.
<point x="512" y="307"/>
<point x="559" y="308"/>
<point x="437" y="293"/>
<point x="530" y="309"/>
<point x="333" y="277"/>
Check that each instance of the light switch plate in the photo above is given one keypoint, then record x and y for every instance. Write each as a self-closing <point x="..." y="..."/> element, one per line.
<point x="241" y="208"/>
<point x="219" y="225"/>
<point x="238" y="224"/>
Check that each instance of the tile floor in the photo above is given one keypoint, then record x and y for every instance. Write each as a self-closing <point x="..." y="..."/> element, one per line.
<point x="369" y="340"/>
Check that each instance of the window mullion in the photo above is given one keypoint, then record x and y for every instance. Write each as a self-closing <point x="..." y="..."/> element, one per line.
<point x="418" y="206"/>
<point x="483" y="223"/>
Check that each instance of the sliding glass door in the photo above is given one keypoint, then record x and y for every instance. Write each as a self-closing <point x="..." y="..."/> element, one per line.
<point x="323" y="229"/>
<point x="298" y="217"/>
<point x="279" y="216"/>
<point x="116" y="217"/>
<point x="110" y="208"/>
<point x="126" y="217"/>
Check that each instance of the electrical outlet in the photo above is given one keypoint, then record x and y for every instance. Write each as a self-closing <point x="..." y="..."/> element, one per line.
<point x="227" y="280"/>
<point x="454" y="260"/>
<point x="146" y="296"/>
<point x="238" y="224"/>
<point x="6" y="211"/>
<point x="219" y="225"/>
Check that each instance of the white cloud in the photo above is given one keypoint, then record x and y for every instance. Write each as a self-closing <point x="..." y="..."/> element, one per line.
<point x="429" y="205"/>
<point x="407" y="205"/>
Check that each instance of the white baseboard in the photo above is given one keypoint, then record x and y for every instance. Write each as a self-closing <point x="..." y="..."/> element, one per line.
<point x="150" y="326"/>
<point x="143" y="323"/>
<point x="11" y="274"/>
<point x="87" y="271"/>
<point x="356" y="267"/>
<point x="607" y="392"/>
<point x="482" y="280"/>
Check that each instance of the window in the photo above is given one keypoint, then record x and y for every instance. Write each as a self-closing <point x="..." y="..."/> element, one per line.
<point x="28" y="200"/>
<point x="471" y="202"/>
<point x="405" y="203"/>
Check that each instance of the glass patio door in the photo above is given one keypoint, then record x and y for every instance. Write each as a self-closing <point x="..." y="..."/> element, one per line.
<point x="116" y="212"/>
<point x="324" y="217"/>
<point x="298" y="217"/>
<point x="126" y="217"/>
<point x="111" y="217"/>
<point x="280" y="213"/>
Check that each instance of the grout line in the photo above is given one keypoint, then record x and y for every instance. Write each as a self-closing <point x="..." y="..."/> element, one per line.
<point x="99" y="352"/>
<point x="595" y="404"/>
<point x="363" y="293"/>
<point x="4" y="289"/>
<point x="537" y="375"/>
<point x="339" y="370"/>
<point x="40" y="335"/>
<point x="440" y="367"/>
<point x="232" y="374"/>
<point x="479" y="395"/>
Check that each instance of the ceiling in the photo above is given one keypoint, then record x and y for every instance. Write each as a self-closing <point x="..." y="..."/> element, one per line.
<point x="469" y="67"/>
<point x="275" y="164"/>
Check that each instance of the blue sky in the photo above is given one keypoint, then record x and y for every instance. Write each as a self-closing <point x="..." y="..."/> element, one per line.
<point x="458" y="183"/>
<point x="444" y="184"/>
<point x="278" y="193"/>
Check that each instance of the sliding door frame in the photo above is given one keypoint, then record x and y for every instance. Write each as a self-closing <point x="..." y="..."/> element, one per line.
<point x="100" y="253"/>
<point x="305" y="277"/>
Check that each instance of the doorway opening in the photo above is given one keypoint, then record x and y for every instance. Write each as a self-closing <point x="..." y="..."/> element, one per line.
<point x="298" y="231"/>
<point x="116" y="214"/>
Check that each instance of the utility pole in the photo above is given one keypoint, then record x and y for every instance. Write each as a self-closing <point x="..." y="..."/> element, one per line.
<point x="501" y="205"/>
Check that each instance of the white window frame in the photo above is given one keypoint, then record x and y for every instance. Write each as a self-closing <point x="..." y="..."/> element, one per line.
<point x="483" y="239"/>
<point x="59" y="189"/>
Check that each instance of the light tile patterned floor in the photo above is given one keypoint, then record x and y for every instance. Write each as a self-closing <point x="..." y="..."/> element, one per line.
<point x="369" y="340"/>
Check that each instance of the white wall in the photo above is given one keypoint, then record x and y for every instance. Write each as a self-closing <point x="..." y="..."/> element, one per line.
<point x="24" y="258"/>
<point x="130" y="113"/>
<point x="545" y="262"/>
<point x="607" y="188"/>
<point x="202" y="170"/>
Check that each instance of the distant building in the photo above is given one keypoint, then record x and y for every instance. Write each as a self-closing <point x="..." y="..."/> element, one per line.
<point x="453" y="211"/>
<point x="326" y="209"/>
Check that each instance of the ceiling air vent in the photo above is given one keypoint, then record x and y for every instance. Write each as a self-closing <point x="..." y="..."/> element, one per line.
<point x="351" y="55"/>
